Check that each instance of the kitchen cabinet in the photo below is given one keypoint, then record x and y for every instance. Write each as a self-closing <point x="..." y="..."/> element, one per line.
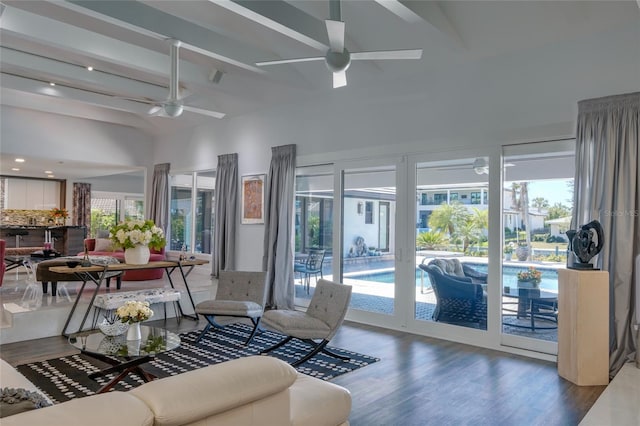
<point x="32" y="194"/>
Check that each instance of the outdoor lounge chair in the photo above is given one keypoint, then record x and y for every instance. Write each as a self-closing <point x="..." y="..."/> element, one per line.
<point x="458" y="299"/>
<point x="456" y="268"/>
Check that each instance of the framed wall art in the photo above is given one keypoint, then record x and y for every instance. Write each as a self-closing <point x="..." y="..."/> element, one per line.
<point x="253" y="199"/>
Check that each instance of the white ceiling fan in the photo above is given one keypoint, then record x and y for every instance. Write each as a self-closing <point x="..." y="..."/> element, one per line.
<point x="338" y="58"/>
<point x="174" y="105"/>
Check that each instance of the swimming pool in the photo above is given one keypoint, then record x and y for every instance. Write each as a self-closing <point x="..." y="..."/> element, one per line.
<point x="509" y="276"/>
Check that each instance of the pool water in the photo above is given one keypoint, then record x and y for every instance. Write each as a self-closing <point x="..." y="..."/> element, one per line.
<point x="509" y="278"/>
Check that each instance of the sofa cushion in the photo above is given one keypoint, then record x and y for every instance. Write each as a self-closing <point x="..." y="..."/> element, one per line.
<point x="215" y="389"/>
<point x="316" y="402"/>
<point x="108" y="409"/>
<point x="104" y="244"/>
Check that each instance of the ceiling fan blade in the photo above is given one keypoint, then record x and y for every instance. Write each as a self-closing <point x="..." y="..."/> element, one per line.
<point x="154" y="110"/>
<point x="207" y="112"/>
<point x="290" y="61"/>
<point x="387" y="54"/>
<point x="339" y="79"/>
<point x="335" y="31"/>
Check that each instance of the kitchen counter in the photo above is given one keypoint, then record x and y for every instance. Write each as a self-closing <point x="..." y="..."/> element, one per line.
<point x="68" y="240"/>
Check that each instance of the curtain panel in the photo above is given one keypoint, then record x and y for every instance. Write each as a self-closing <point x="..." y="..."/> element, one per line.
<point x="278" y="224"/>
<point x="226" y="199"/>
<point x="607" y="185"/>
<point x="159" y="209"/>
<point x="82" y="205"/>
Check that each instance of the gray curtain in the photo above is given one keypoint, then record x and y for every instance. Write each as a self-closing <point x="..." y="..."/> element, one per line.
<point x="607" y="184"/>
<point x="159" y="210"/>
<point x="278" y="224"/>
<point x="82" y="205"/>
<point x="224" y="232"/>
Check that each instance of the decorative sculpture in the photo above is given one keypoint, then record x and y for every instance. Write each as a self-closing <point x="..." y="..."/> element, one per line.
<point x="581" y="243"/>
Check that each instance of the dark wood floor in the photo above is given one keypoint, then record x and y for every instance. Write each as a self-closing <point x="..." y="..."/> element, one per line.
<point x="421" y="381"/>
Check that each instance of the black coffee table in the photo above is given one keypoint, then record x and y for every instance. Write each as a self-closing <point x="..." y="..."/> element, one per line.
<point x="125" y="356"/>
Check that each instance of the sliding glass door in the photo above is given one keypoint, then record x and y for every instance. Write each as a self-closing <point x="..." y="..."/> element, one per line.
<point x="452" y="244"/>
<point x="537" y="194"/>
<point x="368" y="237"/>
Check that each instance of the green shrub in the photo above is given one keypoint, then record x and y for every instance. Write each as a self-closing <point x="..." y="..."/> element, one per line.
<point x="430" y="240"/>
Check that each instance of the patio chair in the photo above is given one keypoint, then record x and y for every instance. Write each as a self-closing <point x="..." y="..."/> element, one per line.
<point x="240" y="294"/>
<point x="311" y="266"/>
<point x="458" y="299"/>
<point x="456" y="268"/>
<point x="321" y="321"/>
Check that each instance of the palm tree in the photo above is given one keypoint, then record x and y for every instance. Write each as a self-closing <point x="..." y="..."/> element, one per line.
<point x="520" y="202"/>
<point x="540" y="203"/>
<point x="448" y="218"/>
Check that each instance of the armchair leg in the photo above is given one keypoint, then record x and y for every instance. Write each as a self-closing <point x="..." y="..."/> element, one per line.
<point x="277" y="345"/>
<point x="256" y="325"/>
<point x="317" y="348"/>
<point x="207" y="327"/>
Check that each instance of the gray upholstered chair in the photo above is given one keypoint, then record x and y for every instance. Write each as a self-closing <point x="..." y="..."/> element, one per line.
<point x="321" y="321"/>
<point x="240" y="294"/>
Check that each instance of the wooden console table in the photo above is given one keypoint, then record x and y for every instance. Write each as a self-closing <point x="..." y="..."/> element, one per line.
<point x="97" y="275"/>
<point x="583" y="326"/>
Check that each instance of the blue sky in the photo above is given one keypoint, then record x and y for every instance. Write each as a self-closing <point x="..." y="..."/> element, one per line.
<point x="555" y="191"/>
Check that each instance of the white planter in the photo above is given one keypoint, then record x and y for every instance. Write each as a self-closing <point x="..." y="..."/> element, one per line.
<point x="138" y="255"/>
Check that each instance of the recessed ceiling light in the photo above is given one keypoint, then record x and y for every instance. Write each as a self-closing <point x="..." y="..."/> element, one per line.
<point x="15" y="169"/>
<point x="50" y="176"/>
<point x="89" y="68"/>
<point x="48" y="172"/>
<point x="52" y="84"/>
<point x="19" y="160"/>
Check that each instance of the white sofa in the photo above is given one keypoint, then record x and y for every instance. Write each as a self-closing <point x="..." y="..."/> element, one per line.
<point x="257" y="390"/>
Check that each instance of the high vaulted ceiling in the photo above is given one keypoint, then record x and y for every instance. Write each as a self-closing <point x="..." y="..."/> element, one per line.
<point x="127" y="44"/>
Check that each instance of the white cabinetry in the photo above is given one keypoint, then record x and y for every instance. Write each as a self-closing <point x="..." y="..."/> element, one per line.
<point x="32" y="194"/>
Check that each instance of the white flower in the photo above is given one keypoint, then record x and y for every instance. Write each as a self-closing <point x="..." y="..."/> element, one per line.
<point x="134" y="311"/>
<point x="138" y="232"/>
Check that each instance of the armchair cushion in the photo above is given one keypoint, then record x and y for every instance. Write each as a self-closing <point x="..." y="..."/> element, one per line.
<point x="103" y="244"/>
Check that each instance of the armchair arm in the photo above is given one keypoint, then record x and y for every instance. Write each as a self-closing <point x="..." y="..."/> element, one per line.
<point x="450" y="287"/>
<point x="477" y="276"/>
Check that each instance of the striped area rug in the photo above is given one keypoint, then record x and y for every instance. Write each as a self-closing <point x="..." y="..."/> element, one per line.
<point x="66" y="378"/>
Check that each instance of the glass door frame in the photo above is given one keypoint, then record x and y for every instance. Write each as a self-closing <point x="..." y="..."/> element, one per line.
<point x="484" y="338"/>
<point x="395" y="320"/>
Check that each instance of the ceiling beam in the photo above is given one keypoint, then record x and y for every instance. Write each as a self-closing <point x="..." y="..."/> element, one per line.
<point x="152" y="22"/>
<point x="283" y="18"/>
<point x="79" y="41"/>
<point x="17" y="62"/>
<point x="424" y="11"/>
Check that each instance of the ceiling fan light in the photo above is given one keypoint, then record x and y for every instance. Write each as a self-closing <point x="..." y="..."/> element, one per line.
<point x="338" y="61"/>
<point x="173" y="109"/>
<point x="480" y="166"/>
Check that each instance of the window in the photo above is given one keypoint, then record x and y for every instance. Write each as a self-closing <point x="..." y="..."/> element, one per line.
<point x="368" y="212"/>
<point x="107" y="209"/>
<point x="476" y="198"/>
<point x="192" y="212"/>
<point x="439" y="198"/>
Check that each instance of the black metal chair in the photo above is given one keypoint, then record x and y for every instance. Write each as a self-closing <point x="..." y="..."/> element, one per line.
<point x="458" y="299"/>
<point x="311" y="266"/>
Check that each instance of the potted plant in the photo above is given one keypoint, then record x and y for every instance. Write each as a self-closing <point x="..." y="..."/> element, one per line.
<point x="508" y="251"/>
<point x="136" y="236"/>
<point x="529" y="278"/>
<point x="522" y="252"/>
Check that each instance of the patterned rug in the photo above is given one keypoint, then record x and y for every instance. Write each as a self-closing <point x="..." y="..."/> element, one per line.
<point x="66" y="378"/>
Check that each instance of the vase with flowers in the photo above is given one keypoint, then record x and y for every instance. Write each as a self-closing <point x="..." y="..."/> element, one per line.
<point x="529" y="278"/>
<point x="58" y="215"/>
<point x="133" y="313"/>
<point x="136" y="236"/>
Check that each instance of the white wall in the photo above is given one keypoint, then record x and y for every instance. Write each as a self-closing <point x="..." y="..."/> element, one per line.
<point x="527" y="96"/>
